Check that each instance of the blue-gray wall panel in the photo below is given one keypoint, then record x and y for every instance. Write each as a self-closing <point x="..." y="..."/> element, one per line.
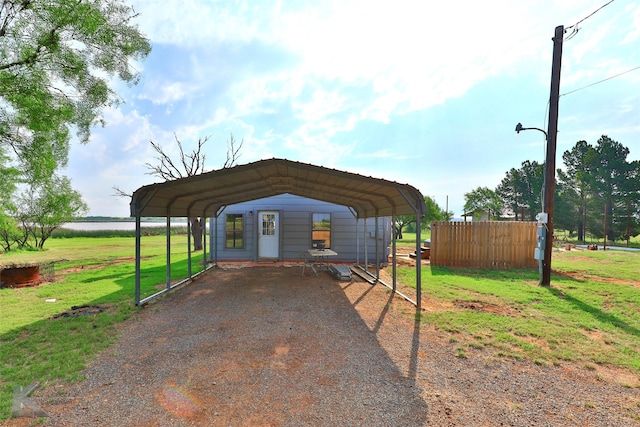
<point x="295" y="230"/>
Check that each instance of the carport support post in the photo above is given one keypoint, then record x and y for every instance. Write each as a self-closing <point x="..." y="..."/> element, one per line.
<point x="137" y="296"/>
<point x="188" y="245"/>
<point x="364" y="240"/>
<point x="168" y="233"/>
<point x="357" y="243"/>
<point x="204" y="243"/>
<point x="215" y="241"/>
<point x="377" y="250"/>
<point x="418" y="263"/>
<point x="393" y="250"/>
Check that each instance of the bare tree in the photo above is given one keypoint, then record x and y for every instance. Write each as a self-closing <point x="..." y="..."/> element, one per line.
<point x="188" y="164"/>
<point x="233" y="152"/>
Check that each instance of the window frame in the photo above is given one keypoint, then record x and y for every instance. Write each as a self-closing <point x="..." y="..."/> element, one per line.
<point x="241" y="232"/>
<point x="313" y="229"/>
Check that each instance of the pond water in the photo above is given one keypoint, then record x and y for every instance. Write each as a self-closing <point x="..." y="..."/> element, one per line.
<point x="613" y="248"/>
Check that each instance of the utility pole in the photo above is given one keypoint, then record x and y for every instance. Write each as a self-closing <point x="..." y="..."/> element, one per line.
<point x="550" y="163"/>
<point x="605" y="227"/>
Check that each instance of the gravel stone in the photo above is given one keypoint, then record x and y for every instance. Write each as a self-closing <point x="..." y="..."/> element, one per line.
<point x="264" y="346"/>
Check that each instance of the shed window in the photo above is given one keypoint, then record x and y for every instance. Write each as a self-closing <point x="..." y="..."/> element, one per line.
<point x="321" y="229"/>
<point x="234" y="231"/>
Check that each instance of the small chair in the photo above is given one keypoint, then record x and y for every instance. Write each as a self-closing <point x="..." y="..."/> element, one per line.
<point x="308" y="262"/>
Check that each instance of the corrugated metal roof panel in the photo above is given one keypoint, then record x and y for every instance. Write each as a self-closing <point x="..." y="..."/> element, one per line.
<point x="205" y="194"/>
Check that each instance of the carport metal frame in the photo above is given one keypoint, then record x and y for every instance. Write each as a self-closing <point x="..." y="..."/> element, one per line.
<point x="207" y="194"/>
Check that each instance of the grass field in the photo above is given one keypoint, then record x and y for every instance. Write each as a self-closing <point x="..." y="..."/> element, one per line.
<point x="93" y="271"/>
<point x="590" y="315"/>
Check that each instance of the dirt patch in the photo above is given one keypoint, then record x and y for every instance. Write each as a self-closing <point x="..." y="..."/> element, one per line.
<point x="120" y="260"/>
<point x="403" y="256"/>
<point x="81" y="310"/>
<point x="618" y="376"/>
<point x="484" y="307"/>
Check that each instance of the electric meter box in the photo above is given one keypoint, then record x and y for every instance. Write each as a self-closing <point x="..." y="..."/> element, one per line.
<point x="542" y="233"/>
<point x="542" y="242"/>
<point x="542" y="218"/>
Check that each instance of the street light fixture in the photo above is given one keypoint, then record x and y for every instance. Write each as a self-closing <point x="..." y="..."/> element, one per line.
<point x="520" y="128"/>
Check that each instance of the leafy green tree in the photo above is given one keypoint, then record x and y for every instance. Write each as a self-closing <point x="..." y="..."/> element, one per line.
<point x="630" y="221"/>
<point x="611" y="179"/>
<point x="402" y="221"/>
<point x="573" y="186"/>
<point x="532" y="181"/>
<point x="625" y="215"/>
<point x="9" y="176"/>
<point x="520" y="190"/>
<point x="483" y="200"/>
<point x="434" y="213"/>
<point x="57" y="58"/>
<point x="601" y="189"/>
<point x="10" y="234"/>
<point x="46" y="206"/>
<point x="565" y="215"/>
<point x="510" y="191"/>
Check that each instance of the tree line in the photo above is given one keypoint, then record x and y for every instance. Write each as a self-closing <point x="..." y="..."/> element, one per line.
<point x="597" y="192"/>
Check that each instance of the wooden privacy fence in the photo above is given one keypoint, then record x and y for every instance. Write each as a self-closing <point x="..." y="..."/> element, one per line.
<point x="483" y="244"/>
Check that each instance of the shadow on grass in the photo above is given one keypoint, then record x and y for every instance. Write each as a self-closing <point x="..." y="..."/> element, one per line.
<point x="50" y="350"/>
<point x="150" y="279"/>
<point x="578" y="304"/>
<point x="597" y="313"/>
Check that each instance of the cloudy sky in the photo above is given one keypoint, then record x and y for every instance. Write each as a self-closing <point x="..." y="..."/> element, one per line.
<point x="420" y="92"/>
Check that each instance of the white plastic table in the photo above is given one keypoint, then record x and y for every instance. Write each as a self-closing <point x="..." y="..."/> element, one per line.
<point x="320" y="258"/>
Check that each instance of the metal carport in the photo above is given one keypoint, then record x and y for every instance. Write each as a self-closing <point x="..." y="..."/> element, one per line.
<point x="205" y="195"/>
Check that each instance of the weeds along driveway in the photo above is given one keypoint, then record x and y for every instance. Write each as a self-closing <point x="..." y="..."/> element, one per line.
<point x="252" y="346"/>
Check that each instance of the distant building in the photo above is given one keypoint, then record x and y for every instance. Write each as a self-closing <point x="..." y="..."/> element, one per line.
<point x="476" y="215"/>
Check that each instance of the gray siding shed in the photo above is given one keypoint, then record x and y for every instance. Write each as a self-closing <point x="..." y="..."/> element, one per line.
<point x="295" y="227"/>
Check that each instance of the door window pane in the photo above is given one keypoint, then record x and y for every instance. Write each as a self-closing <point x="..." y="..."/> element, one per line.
<point x="268" y="224"/>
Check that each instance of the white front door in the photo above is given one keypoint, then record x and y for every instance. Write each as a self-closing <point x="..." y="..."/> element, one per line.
<point x="268" y="234"/>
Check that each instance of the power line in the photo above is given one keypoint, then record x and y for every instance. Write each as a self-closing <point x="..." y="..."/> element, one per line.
<point x="591" y="14"/>
<point x="575" y="26"/>
<point x="601" y="81"/>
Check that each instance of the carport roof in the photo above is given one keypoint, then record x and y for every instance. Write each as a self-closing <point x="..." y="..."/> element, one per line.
<point x="205" y="194"/>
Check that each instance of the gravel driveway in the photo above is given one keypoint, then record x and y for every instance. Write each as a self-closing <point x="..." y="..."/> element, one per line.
<point x="265" y="347"/>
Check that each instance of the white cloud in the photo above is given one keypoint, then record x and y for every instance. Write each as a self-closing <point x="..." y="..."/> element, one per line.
<point x="167" y="93"/>
<point x="319" y="81"/>
<point x="634" y="28"/>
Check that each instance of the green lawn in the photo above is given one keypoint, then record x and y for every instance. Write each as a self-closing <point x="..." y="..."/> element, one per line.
<point x="590" y="315"/>
<point x="95" y="271"/>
